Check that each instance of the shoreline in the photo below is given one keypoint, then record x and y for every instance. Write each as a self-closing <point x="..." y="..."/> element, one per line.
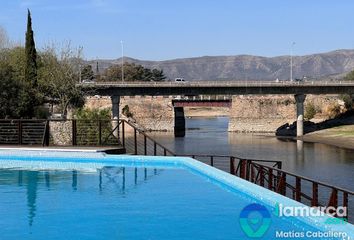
<point x="342" y="137"/>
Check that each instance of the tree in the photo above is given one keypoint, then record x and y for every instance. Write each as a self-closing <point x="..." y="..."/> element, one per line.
<point x="87" y="73"/>
<point x="31" y="54"/>
<point x="132" y="72"/>
<point x="9" y="92"/>
<point x="30" y="95"/>
<point x="158" y="75"/>
<point x="58" y="77"/>
<point x="26" y="98"/>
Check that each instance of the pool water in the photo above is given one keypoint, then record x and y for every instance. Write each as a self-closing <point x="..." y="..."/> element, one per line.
<point x="123" y="203"/>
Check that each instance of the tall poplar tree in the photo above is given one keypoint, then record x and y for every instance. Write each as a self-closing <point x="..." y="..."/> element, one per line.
<point x="29" y="96"/>
<point x="31" y="55"/>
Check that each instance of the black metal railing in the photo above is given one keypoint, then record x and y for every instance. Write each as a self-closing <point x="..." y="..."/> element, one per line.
<point x="137" y="142"/>
<point x="23" y="132"/>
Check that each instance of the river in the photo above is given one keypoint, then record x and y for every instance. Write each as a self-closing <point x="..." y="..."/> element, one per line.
<point x="322" y="162"/>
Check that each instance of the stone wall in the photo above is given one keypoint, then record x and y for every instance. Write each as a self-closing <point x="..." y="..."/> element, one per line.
<point x="266" y="113"/>
<point x="151" y="113"/>
<point x="60" y="132"/>
<point x="98" y="102"/>
<point x="249" y="113"/>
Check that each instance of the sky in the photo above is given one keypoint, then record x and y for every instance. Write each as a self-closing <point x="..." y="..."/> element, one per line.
<point x="166" y="29"/>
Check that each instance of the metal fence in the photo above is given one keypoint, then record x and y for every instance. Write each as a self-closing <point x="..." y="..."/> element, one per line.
<point x="122" y="133"/>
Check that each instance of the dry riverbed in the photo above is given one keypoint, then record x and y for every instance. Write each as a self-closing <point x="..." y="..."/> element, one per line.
<point x="206" y="112"/>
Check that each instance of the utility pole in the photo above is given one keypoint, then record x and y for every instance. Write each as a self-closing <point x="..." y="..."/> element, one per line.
<point x="291" y="61"/>
<point x="79" y="55"/>
<point x="121" y="42"/>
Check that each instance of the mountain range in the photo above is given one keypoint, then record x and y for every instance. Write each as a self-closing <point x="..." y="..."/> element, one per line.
<point x="334" y="64"/>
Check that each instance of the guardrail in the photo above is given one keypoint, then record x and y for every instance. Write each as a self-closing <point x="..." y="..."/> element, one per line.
<point x="220" y="83"/>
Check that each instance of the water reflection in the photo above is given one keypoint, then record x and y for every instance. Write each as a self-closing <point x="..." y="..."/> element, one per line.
<point x="319" y="161"/>
<point x="74" y="182"/>
<point x="32" y="184"/>
<point x="125" y="180"/>
<point x="300" y="153"/>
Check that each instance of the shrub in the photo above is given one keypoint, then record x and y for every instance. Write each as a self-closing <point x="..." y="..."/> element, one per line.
<point x="348" y="101"/>
<point x="88" y="127"/>
<point x="127" y="112"/>
<point x="310" y="111"/>
<point x="333" y="110"/>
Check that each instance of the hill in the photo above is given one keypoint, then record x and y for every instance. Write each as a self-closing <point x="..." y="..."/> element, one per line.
<point x="246" y="67"/>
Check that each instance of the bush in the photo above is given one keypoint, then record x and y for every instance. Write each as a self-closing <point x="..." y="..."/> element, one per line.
<point x="92" y="114"/>
<point x="348" y="101"/>
<point x="310" y="111"/>
<point x="333" y="110"/>
<point x="88" y="127"/>
<point x="127" y="112"/>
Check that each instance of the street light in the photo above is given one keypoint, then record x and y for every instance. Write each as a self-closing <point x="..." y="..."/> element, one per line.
<point x="121" y="42"/>
<point x="291" y="61"/>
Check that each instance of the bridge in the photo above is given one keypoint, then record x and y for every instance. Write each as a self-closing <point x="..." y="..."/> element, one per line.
<point x="219" y="88"/>
<point x="298" y="89"/>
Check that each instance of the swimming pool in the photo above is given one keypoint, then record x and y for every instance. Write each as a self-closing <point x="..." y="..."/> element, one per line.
<point x="85" y="195"/>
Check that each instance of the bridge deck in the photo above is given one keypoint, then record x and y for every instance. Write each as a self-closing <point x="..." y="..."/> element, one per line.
<point x="219" y="88"/>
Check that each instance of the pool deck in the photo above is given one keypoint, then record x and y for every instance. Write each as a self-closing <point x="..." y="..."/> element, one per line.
<point x="103" y="149"/>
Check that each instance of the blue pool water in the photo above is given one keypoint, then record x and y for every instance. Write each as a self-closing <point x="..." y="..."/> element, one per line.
<point x="125" y="202"/>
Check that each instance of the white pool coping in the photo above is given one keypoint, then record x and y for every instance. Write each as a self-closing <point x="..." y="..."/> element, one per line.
<point x="92" y="160"/>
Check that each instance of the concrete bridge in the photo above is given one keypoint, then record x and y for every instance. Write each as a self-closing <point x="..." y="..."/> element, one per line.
<point x="297" y="89"/>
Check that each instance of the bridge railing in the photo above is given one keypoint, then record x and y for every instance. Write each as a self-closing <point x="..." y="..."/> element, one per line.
<point x="221" y="83"/>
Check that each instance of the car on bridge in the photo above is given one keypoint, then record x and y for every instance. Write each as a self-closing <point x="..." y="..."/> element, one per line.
<point x="180" y="80"/>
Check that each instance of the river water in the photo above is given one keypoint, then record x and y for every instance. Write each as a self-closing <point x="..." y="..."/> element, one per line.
<point x="322" y="162"/>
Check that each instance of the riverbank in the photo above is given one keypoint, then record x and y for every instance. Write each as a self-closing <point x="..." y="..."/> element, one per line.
<point x="342" y="136"/>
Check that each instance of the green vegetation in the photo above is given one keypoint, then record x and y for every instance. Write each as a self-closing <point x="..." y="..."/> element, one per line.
<point x="58" y="77"/>
<point x="87" y="73"/>
<point x="88" y="126"/>
<point x="132" y="72"/>
<point x="349" y="76"/>
<point x="29" y="95"/>
<point x="127" y="112"/>
<point x="92" y="114"/>
<point x="30" y="79"/>
<point x="31" y="55"/>
<point x="310" y="111"/>
<point x="348" y="100"/>
<point x="9" y="94"/>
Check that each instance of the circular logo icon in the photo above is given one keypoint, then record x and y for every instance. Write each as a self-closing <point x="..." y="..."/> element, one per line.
<point x="255" y="220"/>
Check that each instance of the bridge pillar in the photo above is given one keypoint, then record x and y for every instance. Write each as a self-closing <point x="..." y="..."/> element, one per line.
<point x="180" y="122"/>
<point x="300" y="98"/>
<point x="115" y="114"/>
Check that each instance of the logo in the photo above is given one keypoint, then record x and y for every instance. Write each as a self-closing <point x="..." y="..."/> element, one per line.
<point x="340" y="213"/>
<point x="255" y="220"/>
